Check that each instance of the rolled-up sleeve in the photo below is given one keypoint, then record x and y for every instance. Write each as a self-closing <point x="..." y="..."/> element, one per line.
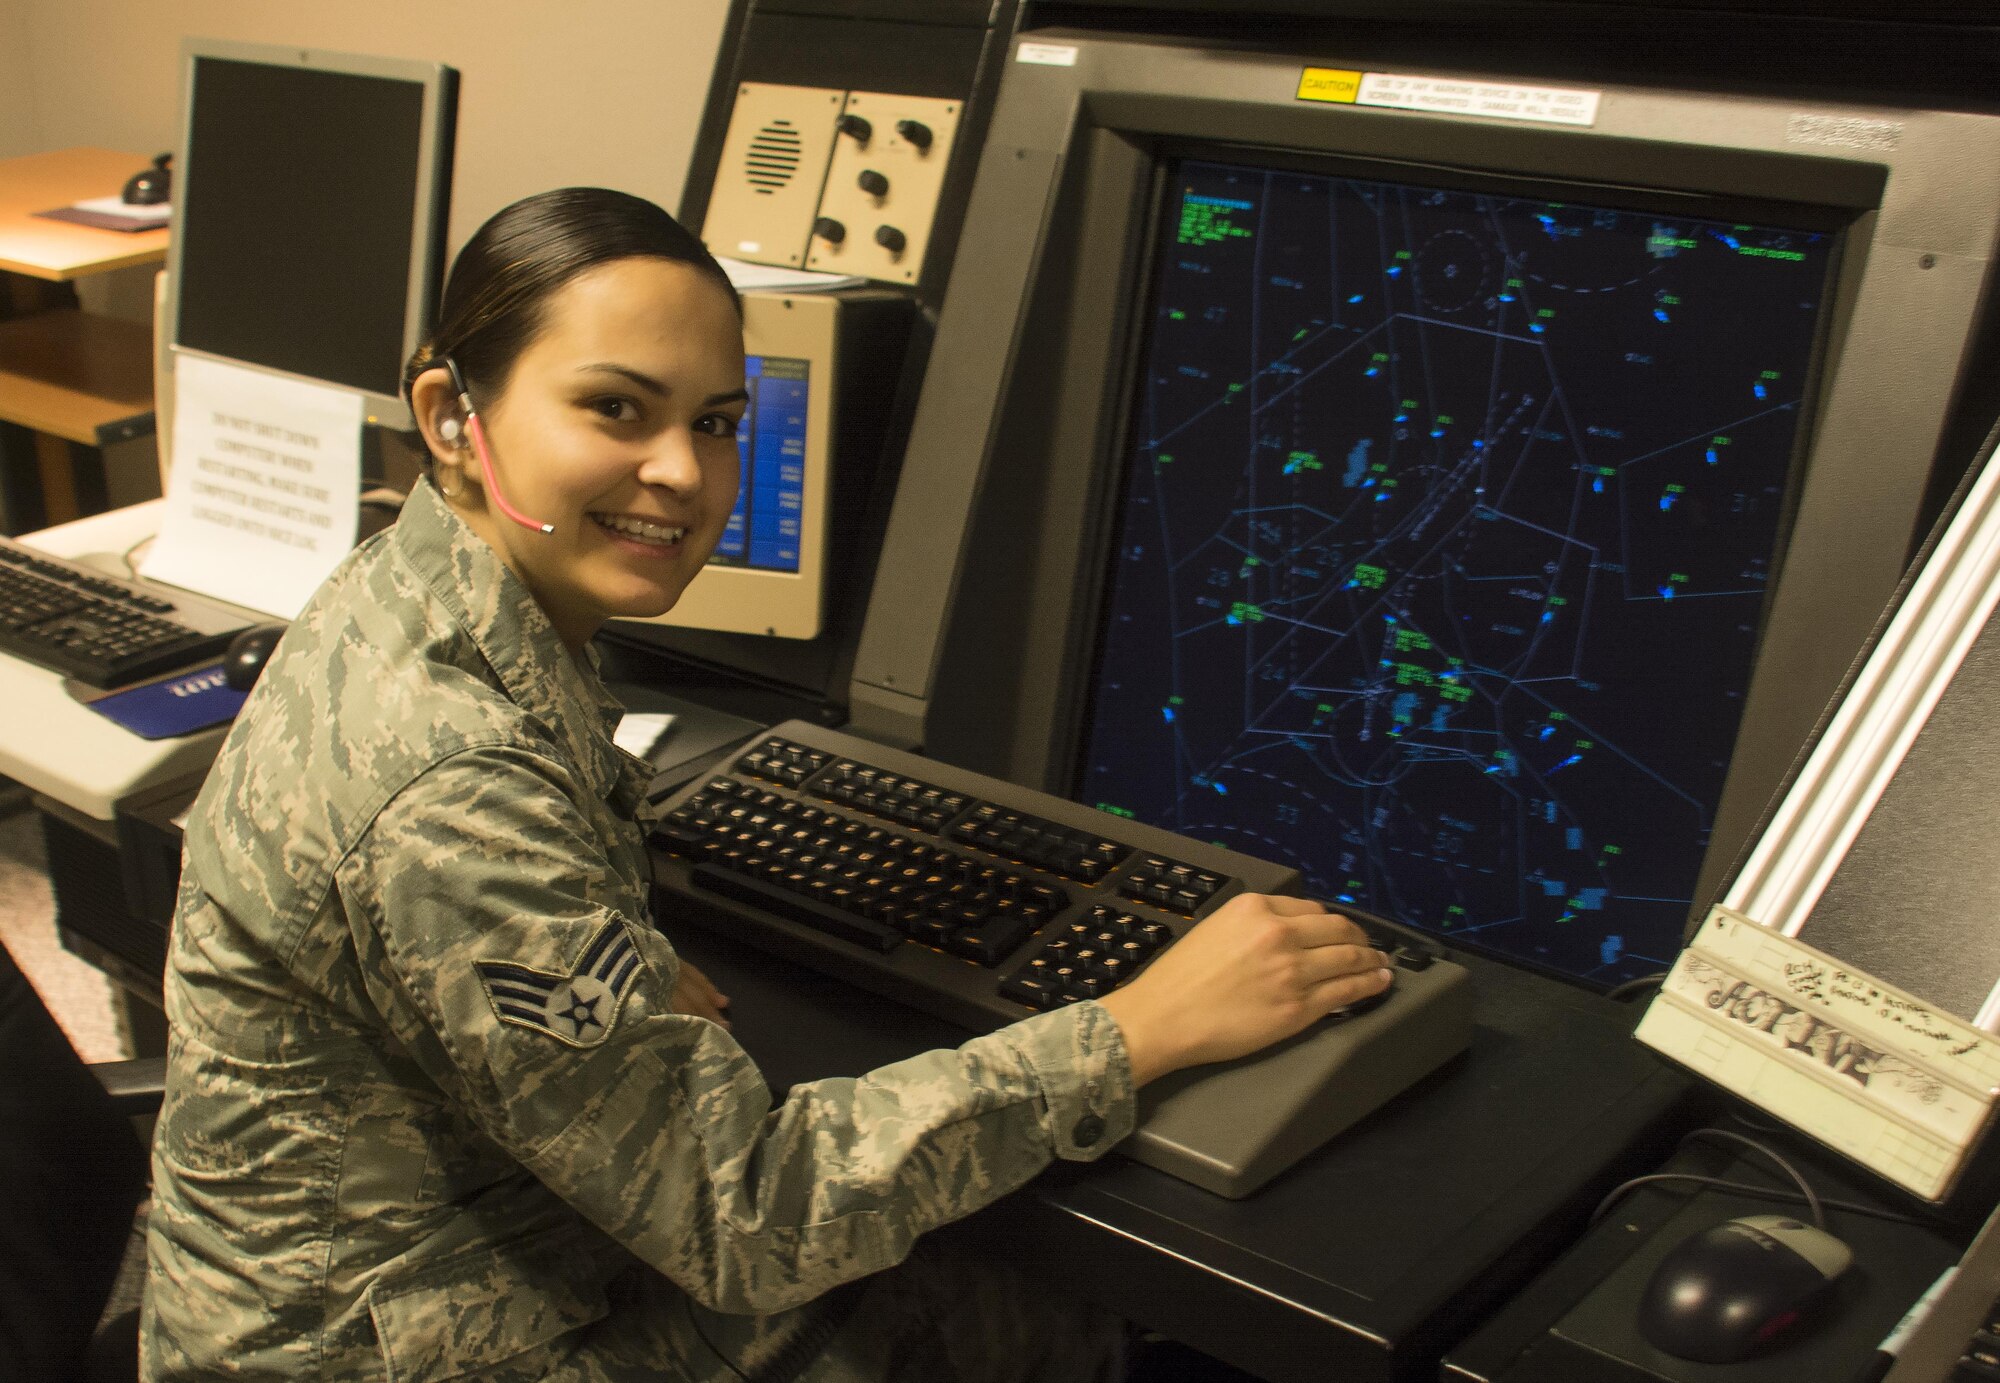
<point x="501" y="947"/>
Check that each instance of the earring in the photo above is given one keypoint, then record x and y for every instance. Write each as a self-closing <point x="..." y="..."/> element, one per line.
<point x="437" y="478"/>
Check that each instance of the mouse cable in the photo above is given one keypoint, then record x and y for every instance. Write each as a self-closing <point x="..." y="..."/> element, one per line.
<point x="1695" y="1135"/>
<point x="126" y="556"/>
<point x="1776" y="1193"/>
<point x="1618" y="993"/>
<point x="1798" y="1179"/>
<point x="1758" y="1125"/>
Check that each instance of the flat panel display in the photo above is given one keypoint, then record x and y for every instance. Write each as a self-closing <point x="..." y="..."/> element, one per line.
<point x="764" y="528"/>
<point x="309" y="211"/>
<point x="1444" y="541"/>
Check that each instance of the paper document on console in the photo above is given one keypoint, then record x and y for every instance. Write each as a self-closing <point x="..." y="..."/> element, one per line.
<point x="771" y="278"/>
<point x="158" y="213"/>
<point x="263" y="499"/>
<point x="639" y="732"/>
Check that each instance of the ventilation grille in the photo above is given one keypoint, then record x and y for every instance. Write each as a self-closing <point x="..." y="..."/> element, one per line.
<point x="89" y="886"/>
<point x="773" y="157"/>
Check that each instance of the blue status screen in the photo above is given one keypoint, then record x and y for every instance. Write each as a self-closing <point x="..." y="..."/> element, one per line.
<point x="763" y="530"/>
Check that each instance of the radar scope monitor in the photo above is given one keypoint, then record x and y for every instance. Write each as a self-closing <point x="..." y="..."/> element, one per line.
<point x="1447" y="522"/>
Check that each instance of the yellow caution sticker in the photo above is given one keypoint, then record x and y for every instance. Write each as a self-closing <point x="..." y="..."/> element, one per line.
<point x="1329" y="84"/>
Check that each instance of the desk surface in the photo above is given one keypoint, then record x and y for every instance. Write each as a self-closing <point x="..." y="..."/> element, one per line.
<point x="64" y="750"/>
<point x="59" y="250"/>
<point x="1363" y="1262"/>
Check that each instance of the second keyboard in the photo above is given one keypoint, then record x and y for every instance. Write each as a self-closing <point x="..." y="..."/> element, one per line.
<point x="96" y="628"/>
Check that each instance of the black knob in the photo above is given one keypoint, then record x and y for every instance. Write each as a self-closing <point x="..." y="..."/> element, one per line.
<point x="829" y="230"/>
<point x="915" y="132"/>
<point x="891" y="239"/>
<point x="873" y="183"/>
<point x="856" y="126"/>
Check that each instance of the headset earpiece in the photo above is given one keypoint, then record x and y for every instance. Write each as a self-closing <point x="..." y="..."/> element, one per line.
<point x="476" y="434"/>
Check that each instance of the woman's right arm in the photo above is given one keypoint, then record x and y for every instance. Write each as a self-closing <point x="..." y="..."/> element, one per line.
<point x="503" y="950"/>
<point x="505" y="954"/>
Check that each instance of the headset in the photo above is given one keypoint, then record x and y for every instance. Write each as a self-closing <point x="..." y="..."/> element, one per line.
<point x="449" y="429"/>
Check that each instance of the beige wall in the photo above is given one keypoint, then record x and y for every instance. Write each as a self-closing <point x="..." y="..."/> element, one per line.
<point x="17" y="124"/>
<point x="551" y="93"/>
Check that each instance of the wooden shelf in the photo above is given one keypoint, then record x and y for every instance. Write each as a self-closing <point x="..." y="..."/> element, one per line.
<point x="76" y="376"/>
<point x="60" y="251"/>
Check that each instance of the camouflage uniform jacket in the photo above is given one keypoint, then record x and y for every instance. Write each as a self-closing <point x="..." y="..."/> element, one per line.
<point x="427" y="1100"/>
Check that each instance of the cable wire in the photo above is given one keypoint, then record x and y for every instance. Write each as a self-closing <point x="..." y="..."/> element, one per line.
<point x="1776" y="1193"/>
<point x="1804" y="1194"/>
<point x="1633" y="986"/>
<point x="1811" y="1199"/>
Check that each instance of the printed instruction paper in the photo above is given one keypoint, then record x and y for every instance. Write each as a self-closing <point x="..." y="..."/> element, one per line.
<point x="639" y="732"/>
<point x="262" y="501"/>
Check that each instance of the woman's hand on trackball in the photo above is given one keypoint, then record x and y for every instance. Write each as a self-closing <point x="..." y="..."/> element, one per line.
<point x="1255" y="971"/>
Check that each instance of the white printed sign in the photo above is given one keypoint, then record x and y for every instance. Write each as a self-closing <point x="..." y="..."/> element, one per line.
<point x="1866" y="1068"/>
<point x="1549" y="105"/>
<point x="1047" y="54"/>
<point x="263" y="499"/>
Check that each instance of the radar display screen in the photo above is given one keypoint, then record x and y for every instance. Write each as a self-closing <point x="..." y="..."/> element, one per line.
<point x="1446" y="527"/>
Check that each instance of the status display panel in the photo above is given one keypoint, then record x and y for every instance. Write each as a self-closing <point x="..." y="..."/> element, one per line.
<point x="764" y="529"/>
<point x="1446" y="528"/>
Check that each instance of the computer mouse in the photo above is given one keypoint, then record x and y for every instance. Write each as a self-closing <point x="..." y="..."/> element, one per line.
<point x="244" y="661"/>
<point x="150" y="186"/>
<point x="1728" y="1292"/>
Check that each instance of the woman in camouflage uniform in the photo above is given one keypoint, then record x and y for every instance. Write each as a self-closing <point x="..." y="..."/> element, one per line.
<point x="442" y="1102"/>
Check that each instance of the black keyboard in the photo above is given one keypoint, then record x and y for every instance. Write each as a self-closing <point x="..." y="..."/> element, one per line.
<point x="65" y="616"/>
<point x="982" y="902"/>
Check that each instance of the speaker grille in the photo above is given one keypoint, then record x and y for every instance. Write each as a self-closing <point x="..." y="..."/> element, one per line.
<point x="773" y="157"/>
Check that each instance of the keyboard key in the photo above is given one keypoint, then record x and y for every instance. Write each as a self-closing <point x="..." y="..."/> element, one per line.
<point x="1116" y="968"/>
<point x="782" y="901"/>
<point x="929" y="930"/>
<point x="991" y="942"/>
<point x="1032" y="990"/>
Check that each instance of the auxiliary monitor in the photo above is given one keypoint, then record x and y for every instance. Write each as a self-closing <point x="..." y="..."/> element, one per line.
<point x="768" y="573"/>
<point x="310" y="201"/>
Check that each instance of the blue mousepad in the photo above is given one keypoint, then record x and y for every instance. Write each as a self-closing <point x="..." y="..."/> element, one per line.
<point x="173" y="706"/>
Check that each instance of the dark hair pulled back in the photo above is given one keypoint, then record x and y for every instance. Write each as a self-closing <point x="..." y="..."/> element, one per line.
<point x="496" y="297"/>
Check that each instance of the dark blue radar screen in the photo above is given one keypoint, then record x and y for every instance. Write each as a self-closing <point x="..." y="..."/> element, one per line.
<point x="1447" y="527"/>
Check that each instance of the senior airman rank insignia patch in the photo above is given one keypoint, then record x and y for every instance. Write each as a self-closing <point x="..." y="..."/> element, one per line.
<point x="578" y="1009"/>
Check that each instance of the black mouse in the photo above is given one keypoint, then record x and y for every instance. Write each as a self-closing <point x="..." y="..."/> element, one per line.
<point x="151" y="186"/>
<point x="1727" y="1292"/>
<point x="248" y="652"/>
